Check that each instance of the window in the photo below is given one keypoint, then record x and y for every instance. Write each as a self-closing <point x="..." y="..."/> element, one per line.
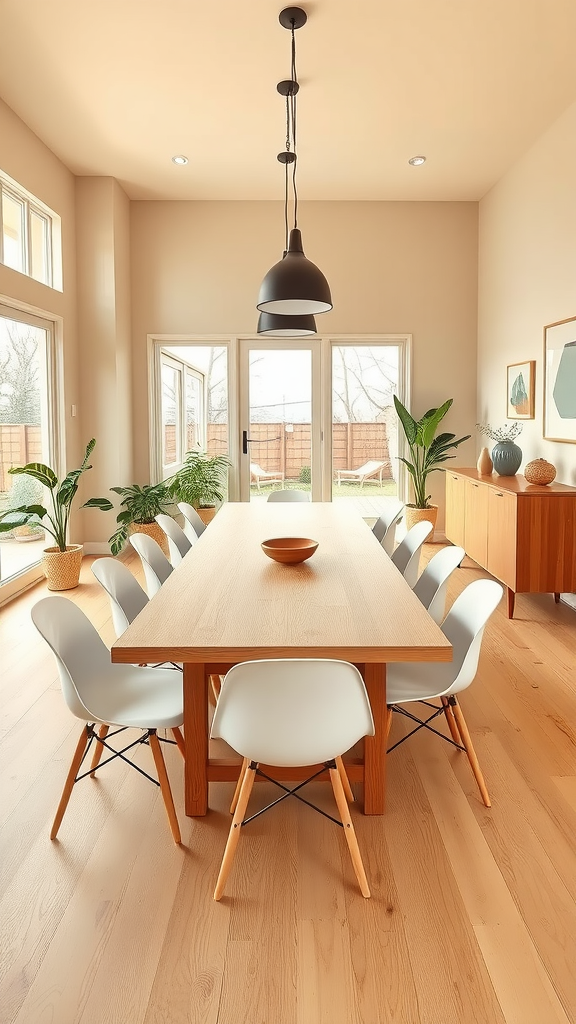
<point x="182" y="409"/>
<point x="30" y="235"/>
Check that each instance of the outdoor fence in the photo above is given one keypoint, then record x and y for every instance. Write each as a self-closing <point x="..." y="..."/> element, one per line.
<point x="274" y="447"/>
<point x="20" y="443"/>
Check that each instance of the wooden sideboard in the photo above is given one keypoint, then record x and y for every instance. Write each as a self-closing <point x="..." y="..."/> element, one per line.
<point x="523" y="534"/>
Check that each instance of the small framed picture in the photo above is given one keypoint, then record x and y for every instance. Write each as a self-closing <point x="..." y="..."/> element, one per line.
<point x="520" y="390"/>
<point x="560" y="381"/>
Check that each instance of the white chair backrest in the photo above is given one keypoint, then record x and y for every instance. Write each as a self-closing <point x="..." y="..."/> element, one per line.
<point x="156" y="566"/>
<point x="289" y="495"/>
<point x="384" y="528"/>
<point x="178" y="542"/>
<point x="294" y="711"/>
<point x="432" y="584"/>
<point x="193" y="525"/>
<point x="83" y="659"/>
<point x="406" y="557"/>
<point x="127" y="598"/>
<point x="464" y="627"/>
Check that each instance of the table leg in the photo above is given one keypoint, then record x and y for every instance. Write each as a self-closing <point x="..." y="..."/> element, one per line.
<point x="375" y="746"/>
<point x="196" y="738"/>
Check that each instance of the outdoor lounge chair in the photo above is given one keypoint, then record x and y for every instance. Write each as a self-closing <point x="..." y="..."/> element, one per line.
<point x="370" y="469"/>
<point x="257" y="475"/>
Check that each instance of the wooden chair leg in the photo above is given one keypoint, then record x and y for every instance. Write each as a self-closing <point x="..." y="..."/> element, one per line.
<point x="245" y="764"/>
<point x="474" y="764"/>
<point x="450" y="719"/>
<point x="164" y="785"/>
<point x="234" y="834"/>
<point x="98" y="749"/>
<point x="349" y="831"/>
<point x="345" y="780"/>
<point x="179" y="740"/>
<point x="215" y="687"/>
<point x="70" y="779"/>
<point x="389" y="716"/>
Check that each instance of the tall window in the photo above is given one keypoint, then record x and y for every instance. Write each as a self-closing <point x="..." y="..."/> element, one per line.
<point x="29" y="235"/>
<point x="183" y="426"/>
<point x="27" y="430"/>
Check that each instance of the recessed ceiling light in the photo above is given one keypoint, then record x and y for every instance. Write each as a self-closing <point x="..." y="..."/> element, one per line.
<point x="417" y="160"/>
<point x="180" y="159"/>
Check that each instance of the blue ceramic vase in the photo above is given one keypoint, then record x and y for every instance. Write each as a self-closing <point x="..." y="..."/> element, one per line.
<point x="506" y="457"/>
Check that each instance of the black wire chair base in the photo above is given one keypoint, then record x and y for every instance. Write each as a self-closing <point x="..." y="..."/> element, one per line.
<point x="291" y="792"/>
<point x="103" y="741"/>
<point x="399" y="709"/>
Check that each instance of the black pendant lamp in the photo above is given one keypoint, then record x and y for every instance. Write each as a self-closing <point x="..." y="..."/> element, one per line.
<point x="294" y="287"/>
<point x="276" y="325"/>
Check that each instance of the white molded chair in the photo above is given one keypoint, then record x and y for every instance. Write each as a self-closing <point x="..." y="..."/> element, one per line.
<point x="193" y="525"/>
<point x="127" y="598"/>
<point x="384" y="528"/>
<point x="290" y="713"/>
<point x="156" y="566"/>
<point x="110" y="696"/>
<point x="406" y="557"/>
<point x="464" y="627"/>
<point x="178" y="543"/>
<point x="432" y="583"/>
<point x="289" y="495"/>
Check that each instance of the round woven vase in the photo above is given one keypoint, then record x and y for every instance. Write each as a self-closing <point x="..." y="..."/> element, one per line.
<point x="417" y="515"/>
<point x="62" y="568"/>
<point x="506" y="458"/>
<point x="540" y="472"/>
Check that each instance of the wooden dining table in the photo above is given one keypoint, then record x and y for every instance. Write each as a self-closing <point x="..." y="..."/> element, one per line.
<point x="227" y="602"/>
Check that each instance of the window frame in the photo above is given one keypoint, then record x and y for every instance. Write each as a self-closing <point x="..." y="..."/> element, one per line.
<point x="52" y="236"/>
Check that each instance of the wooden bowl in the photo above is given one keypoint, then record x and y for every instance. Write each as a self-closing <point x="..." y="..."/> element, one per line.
<point x="289" y="550"/>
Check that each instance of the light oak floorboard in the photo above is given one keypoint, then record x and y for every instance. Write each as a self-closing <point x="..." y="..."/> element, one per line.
<point x="472" y="916"/>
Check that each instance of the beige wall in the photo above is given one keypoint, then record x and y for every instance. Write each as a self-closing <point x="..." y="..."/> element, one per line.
<point x="392" y="267"/>
<point x="527" y="278"/>
<point x="103" y="228"/>
<point x="26" y="159"/>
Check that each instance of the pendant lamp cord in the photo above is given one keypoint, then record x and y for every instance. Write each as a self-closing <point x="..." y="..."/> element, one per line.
<point x="293" y="113"/>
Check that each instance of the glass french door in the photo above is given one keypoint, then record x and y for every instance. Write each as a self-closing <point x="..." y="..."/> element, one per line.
<point x="280" y="418"/>
<point x="27" y="434"/>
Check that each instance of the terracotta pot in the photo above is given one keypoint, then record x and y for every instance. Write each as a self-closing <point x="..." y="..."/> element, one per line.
<point x="207" y="514"/>
<point x="152" y="530"/>
<point x="414" y="515"/>
<point x="62" y="568"/>
<point x="484" y="464"/>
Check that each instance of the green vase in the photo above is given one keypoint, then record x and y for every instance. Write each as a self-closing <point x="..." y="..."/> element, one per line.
<point x="506" y="458"/>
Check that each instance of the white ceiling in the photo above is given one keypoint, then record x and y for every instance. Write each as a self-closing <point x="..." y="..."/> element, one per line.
<point x="117" y="87"/>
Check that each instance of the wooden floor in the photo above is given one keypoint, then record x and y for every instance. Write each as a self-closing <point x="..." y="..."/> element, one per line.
<point x="473" y="912"/>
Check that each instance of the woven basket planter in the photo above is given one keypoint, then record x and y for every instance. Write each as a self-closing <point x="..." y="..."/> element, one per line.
<point x="62" y="568"/>
<point x="155" y="531"/>
<point x="417" y="515"/>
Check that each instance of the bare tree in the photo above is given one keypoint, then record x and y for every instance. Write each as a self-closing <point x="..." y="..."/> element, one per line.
<point x="19" y="378"/>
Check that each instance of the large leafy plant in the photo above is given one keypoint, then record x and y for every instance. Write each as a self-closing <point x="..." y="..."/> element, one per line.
<point x="426" y="450"/>
<point x="139" y="505"/>
<point x="201" y="480"/>
<point x="62" y="493"/>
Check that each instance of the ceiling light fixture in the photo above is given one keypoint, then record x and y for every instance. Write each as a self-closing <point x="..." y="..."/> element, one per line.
<point x="294" y="286"/>
<point x="180" y="160"/>
<point x="415" y="161"/>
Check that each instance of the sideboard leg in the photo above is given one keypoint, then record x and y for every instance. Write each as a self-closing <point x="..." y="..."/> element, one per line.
<point x="556" y="597"/>
<point x="511" y="599"/>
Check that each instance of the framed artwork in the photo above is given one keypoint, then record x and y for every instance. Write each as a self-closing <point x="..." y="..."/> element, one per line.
<point x="520" y="390"/>
<point x="560" y="381"/>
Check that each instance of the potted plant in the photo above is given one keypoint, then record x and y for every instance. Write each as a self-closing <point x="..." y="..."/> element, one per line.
<point x="426" y="453"/>
<point x="201" y="482"/>
<point x="138" y="510"/>
<point x="62" y="561"/>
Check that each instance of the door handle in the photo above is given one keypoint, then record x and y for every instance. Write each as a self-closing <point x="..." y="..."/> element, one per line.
<point x="254" y="440"/>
